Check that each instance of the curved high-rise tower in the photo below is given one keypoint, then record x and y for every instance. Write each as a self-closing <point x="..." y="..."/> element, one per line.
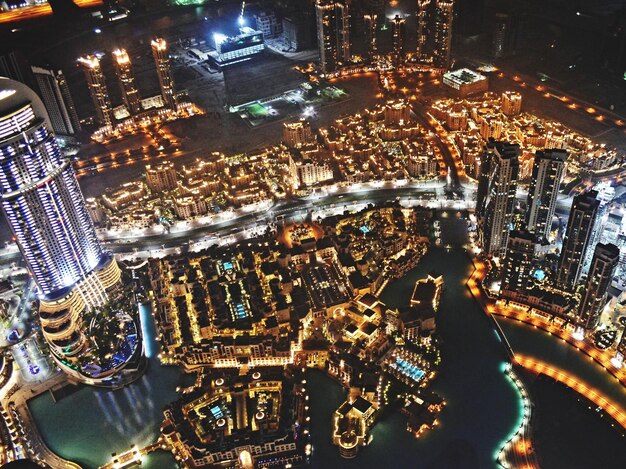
<point x="40" y="195"/>
<point x="44" y="206"/>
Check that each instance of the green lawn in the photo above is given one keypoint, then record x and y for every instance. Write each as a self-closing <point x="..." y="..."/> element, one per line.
<point x="257" y="110"/>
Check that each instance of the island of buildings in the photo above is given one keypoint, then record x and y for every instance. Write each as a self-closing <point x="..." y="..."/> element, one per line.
<point x="298" y="297"/>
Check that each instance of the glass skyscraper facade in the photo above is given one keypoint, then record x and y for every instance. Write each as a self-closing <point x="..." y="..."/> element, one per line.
<point x="40" y="196"/>
<point x="75" y="277"/>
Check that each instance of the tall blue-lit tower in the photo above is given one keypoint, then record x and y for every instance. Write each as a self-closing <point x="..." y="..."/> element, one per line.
<point x="44" y="206"/>
<point x="40" y="195"/>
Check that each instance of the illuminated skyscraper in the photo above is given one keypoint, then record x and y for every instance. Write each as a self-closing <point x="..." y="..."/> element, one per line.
<point x="505" y="31"/>
<point x="46" y="212"/>
<point x="58" y="101"/>
<point x="546" y="178"/>
<point x="160" y="52"/>
<point x="517" y="264"/>
<point x="97" y="89"/>
<point x="442" y="29"/>
<point x="14" y="65"/>
<point x="40" y="195"/>
<point x="397" y="29"/>
<point x="434" y="31"/>
<point x="423" y="7"/>
<point x="582" y="217"/>
<point x="603" y="265"/>
<point x="333" y="33"/>
<point x="371" y="23"/>
<point x="126" y="79"/>
<point x="496" y="196"/>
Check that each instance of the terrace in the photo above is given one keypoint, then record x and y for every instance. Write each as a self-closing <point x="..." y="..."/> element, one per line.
<point x="325" y="285"/>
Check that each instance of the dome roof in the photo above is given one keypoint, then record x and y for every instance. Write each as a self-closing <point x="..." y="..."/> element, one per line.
<point x="14" y="95"/>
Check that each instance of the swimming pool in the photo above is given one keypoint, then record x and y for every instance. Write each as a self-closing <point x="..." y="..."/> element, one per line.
<point x="408" y="369"/>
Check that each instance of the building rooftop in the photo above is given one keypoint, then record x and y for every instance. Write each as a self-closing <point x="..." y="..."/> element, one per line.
<point x="464" y="76"/>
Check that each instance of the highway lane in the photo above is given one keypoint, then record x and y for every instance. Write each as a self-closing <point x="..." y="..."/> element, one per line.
<point x="298" y="208"/>
<point x="121" y="243"/>
<point x="430" y="192"/>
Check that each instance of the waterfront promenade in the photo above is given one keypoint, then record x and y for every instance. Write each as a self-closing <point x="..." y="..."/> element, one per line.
<point x="14" y="397"/>
<point x="563" y="338"/>
<point x="517" y="451"/>
<point x="616" y="412"/>
<point x="538" y="320"/>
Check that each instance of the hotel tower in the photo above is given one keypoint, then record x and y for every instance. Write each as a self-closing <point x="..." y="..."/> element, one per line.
<point x="76" y="278"/>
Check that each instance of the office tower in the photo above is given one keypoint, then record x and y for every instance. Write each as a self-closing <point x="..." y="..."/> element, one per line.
<point x="161" y="177"/>
<point x="518" y="261"/>
<point x="14" y="65"/>
<point x="606" y="194"/>
<point x="582" y="217"/>
<point x="545" y="181"/>
<point x="58" y="101"/>
<point x="97" y="89"/>
<point x="268" y="24"/>
<point x="442" y="28"/>
<point x="423" y="7"/>
<point x="44" y="207"/>
<point x="333" y="34"/>
<point x="126" y="80"/>
<point x="505" y="26"/>
<point x="434" y="31"/>
<point x="297" y="32"/>
<point x="594" y="296"/>
<point x="496" y="195"/>
<point x="397" y="29"/>
<point x="160" y="52"/>
<point x="371" y="23"/>
<point x="511" y="103"/>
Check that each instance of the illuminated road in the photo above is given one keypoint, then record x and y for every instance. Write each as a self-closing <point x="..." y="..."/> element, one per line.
<point x="519" y="448"/>
<point x="231" y="225"/>
<point x="518" y="451"/>
<point x="37" y="11"/>
<point x="451" y="155"/>
<point x="601" y="357"/>
<point x="226" y="230"/>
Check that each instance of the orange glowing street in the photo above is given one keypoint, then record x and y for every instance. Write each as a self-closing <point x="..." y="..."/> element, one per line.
<point x="37" y="11"/>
